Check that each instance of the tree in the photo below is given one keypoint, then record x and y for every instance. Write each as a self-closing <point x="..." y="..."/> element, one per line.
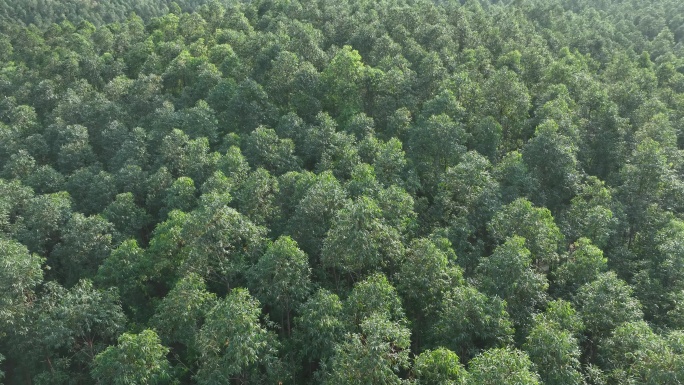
<point x="513" y="176"/>
<point x="390" y="163"/>
<point x="20" y="166"/>
<point x="439" y="366"/>
<point x="466" y="199"/>
<point x="85" y="244"/>
<point x="315" y="212"/>
<point x="180" y="195"/>
<point x="65" y="332"/>
<point x="373" y="295"/>
<point x="343" y="80"/>
<point x="590" y="214"/>
<point x="502" y="366"/>
<point x="219" y="244"/>
<point x="263" y="148"/>
<point x="163" y="254"/>
<point x="234" y="165"/>
<point x="359" y="240"/>
<point x="124" y="269"/>
<point x="91" y="189"/>
<point x="180" y="315"/>
<point x="256" y="196"/>
<point x="658" y="283"/>
<point x="43" y="220"/>
<point x="293" y="82"/>
<point x="584" y="264"/>
<point x="550" y="157"/>
<point x="187" y="157"/>
<point x="427" y="271"/>
<point x="508" y="101"/>
<point x="535" y="224"/>
<point x="281" y="278"/>
<point x="434" y="145"/>
<point x="602" y="146"/>
<point x="375" y="355"/>
<point x="554" y="352"/>
<point x="637" y="354"/>
<point x="45" y="180"/>
<point x="128" y="218"/>
<point x="341" y="157"/>
<point x="468" y="321"/>
<point x="249" y="108"/>
<point x="137" y="359"/>
<point x="508" y="273"/>
<point x="486" y="137"/>
<point x="74" y="149"/>
<point x="233" y="344"/>
<point x="316" y="138"/>
<point x="291" y="189"/>
<point x="319" y="327"/>
<point x="606" y="303"/>
<point x="20" y="276"/>
<point x="645" y="177"/>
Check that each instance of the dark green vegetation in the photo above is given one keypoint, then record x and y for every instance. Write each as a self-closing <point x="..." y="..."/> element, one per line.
<point x="362" y="192"/>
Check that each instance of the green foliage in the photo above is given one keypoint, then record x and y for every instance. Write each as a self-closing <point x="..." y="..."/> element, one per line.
<point x="435" y="145"/>
<point x="554" y="352"/>
<point x="232" y="342"/>
<point x="502" y="366"/>
<point x="360" y="240"/>
<point x="128" y="218"/>
<point x="583" y="265"/>
<point x="20" y="275"/>
<point x="374" y="295"/>
<point x="439" y="366"/>
<point x="124" y="269"/>
<point x="376" y="354"/>
<point x="65" y="330"/>
<point x="335" y="158"/>
<point x="320" y="326"/>
<point x="137" y="359"/>
<point x="281" y="277"/>
<point x="535" y="225"/>
<point x="468" y="321"/>
<point x="314" y="213"/>
<point x="426" y="272"/>
<point x="263" y="148"/>
<point x="550" y="157"/>
<point x="467" y="198"/>
<point x="343" y="81"/>
<point x="219" y="243"/>
<point x="590" y="214"/>
<point x="508" y="273"/>
<point x="636" y="353"/>
<point x="606" y="303"/>
<point x="183" y="310"/>
<point x="43" y="219"/>
<point x="86" y="242"/>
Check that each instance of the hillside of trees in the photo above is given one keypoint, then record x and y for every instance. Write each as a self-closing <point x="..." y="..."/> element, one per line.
<point x="342" y="192"/>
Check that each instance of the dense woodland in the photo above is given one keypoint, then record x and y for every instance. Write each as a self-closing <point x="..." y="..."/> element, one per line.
<point x="342" y="192"/>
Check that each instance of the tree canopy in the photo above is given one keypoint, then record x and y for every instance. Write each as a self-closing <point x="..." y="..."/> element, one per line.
<point x="341" y="192"/>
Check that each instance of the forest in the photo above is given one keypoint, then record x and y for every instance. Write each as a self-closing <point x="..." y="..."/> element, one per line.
<point x="415" y="192"/>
